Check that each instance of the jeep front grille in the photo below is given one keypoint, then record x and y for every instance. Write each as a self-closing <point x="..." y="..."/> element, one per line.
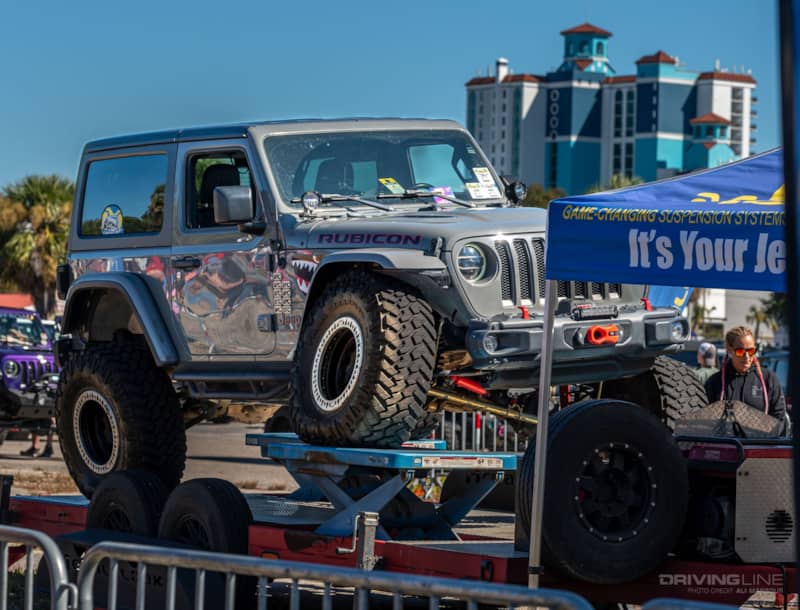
<point x="31" y="370"/>
<point x="522" y="276"/>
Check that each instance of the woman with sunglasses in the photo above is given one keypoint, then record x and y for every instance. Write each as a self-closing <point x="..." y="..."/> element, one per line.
<point x="743" y="379"/>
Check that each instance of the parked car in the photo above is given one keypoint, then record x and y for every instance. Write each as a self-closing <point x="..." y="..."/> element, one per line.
<point x="28" y="374"/>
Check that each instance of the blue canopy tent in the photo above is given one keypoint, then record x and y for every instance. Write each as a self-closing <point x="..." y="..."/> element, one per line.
<point x="718" y="228"/>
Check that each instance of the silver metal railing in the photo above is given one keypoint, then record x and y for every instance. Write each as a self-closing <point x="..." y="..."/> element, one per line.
<point x="478" y="432"/>
<point x="60" y="587"/>
<point x="362" y="583"/>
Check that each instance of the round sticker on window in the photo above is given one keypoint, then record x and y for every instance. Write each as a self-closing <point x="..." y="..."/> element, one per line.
<point x="111" y="220"/>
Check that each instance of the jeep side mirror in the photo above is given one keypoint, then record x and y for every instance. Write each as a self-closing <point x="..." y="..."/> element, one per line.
<point x="233" y="205"/>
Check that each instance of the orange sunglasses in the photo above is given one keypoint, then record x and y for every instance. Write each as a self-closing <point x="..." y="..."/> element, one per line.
<point x="741" y="351"/>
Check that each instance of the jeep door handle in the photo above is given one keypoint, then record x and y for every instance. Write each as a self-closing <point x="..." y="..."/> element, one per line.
<point x="186" y="262"/>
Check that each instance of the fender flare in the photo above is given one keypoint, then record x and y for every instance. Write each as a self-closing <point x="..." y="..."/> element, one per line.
<point x="139" y="296"/>
<point x="395" y="259"/>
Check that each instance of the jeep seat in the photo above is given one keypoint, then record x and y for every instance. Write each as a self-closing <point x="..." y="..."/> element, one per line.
<point x="334" y="176"/>
<point x="215" y="175"/>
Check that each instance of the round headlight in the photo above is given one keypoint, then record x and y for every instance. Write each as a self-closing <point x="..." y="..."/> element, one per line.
<point x="677" y="331"/>
<point x="11" y="368"/>
<point x="471" y="262"/>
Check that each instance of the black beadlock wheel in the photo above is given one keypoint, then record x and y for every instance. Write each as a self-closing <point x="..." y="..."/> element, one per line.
<point x="616" y="492"/>
<point x="115" y="410"/>
<point x="128" y="501"/>
<point x="669" y="390"/>
<point x="364" y="364"/>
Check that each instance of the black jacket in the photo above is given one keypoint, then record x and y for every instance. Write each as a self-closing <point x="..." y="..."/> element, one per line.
<point x="746" y="387"/>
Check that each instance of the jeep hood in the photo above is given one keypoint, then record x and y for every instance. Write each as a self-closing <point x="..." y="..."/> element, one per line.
<point x="417" y="228"/>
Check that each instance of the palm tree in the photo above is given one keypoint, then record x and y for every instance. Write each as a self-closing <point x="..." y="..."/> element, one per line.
<point x="34" y="225"/>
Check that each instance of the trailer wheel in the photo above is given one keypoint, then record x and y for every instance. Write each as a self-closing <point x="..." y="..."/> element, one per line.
<point x="616" y="492"/>
<point x="115" y="410"/>
<point x="364" y="363"/>
<point x="128" y="501"/>
<point x="210" y="514"/>
<point x="669" y="390"/>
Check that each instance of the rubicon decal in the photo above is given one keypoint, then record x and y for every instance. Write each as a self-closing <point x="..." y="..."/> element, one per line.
<point x="391" y="239"/>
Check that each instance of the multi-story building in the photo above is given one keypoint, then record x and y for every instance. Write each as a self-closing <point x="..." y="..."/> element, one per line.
<point x="577" y="126"/>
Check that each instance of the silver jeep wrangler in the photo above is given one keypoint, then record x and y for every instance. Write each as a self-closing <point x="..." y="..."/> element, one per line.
<point x="368" y="273"/>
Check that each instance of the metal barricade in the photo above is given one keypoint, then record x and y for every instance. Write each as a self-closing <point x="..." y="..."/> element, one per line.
<point x="478" y="432"/>
<point x="60" y="587"/>
<point x="301" y="576"/>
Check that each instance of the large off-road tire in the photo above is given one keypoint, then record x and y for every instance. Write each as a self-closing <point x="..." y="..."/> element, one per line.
<point x="115" y="410"/>
<point x="616" y="492"/>
<point x="280" y="421"/>
<point x="128" y="501"/>
<point x="427" y="425"/>
<point x="364" y="363"/>
<point x="669" y="390"/>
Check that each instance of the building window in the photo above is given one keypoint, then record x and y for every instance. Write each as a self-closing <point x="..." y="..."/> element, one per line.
<point x="584" y="48"/>
<point x="617" y="159"/>
<point x="502" y="161"/>
<point x="502" y="120"/>
<point x="504" y="106"/>
<point x="629" y="114"/>
<point x="629" y="159"/>
<point x="709" y="131"/>
<point x="599" y="49"/>
<point x="618" y="114"/>
<point x="504" y="97"/>
<point x="553" y="178"/>
<point x="570" y="49"/>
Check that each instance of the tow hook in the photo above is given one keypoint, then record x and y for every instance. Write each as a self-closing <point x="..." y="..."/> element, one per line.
<point x="600" y="335"/>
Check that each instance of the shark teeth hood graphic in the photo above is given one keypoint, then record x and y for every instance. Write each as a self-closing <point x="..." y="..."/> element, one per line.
<point x="304" y="270"/>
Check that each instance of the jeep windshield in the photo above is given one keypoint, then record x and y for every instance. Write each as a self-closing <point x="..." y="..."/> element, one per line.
<point x="23" y="331"/>
<point x="406" y="165"/>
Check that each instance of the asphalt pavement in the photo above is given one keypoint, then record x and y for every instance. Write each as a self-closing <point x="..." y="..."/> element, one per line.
<point x="214" y="450"/>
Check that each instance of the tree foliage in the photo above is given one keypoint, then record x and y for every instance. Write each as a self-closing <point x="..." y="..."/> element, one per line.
<point x="618" y="181"/>
<point x="34" y="225"/>
<point x="539" y="197"/>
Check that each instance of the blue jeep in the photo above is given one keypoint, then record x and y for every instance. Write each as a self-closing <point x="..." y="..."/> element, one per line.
<point x="29" y="374"/>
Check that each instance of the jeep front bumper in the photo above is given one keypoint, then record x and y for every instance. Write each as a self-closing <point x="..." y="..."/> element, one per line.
<point x="36" y="401"/>
<point x="580" y="352"/>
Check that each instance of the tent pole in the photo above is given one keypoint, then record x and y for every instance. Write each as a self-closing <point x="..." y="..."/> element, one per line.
<point x="545" y="366"/>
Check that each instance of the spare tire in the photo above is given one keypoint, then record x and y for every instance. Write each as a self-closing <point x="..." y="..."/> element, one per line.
<point x="616" y="492"/>
<point x="128" y="501"/>
<point x="669" y="390"/>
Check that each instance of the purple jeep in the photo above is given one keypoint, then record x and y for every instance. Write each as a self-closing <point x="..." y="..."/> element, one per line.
<point x="28" y="372"/>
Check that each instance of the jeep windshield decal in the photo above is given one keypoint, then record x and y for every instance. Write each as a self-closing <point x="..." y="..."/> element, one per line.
<point x="412" y="166"/>
<point x="22" y="330"/>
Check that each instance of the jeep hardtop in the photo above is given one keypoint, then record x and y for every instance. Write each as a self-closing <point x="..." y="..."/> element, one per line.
<point x="366" y="272"/>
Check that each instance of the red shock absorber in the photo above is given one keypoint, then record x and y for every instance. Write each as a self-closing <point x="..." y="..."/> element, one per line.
<point x="469" y="384"/>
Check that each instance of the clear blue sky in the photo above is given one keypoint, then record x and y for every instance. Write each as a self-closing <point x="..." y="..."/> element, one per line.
<point x="75" y="71"/>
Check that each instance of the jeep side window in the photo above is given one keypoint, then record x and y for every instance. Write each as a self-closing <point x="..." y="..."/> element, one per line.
<point x="124" y="196"/>
<point x="206" y="172"/>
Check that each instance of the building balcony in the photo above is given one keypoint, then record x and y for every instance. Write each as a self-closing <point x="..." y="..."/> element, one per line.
<point x="753" y="127"/>
<point x="752" y="140"/>
<point x="754" y="113"/>
<point x="753" y="99"/>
